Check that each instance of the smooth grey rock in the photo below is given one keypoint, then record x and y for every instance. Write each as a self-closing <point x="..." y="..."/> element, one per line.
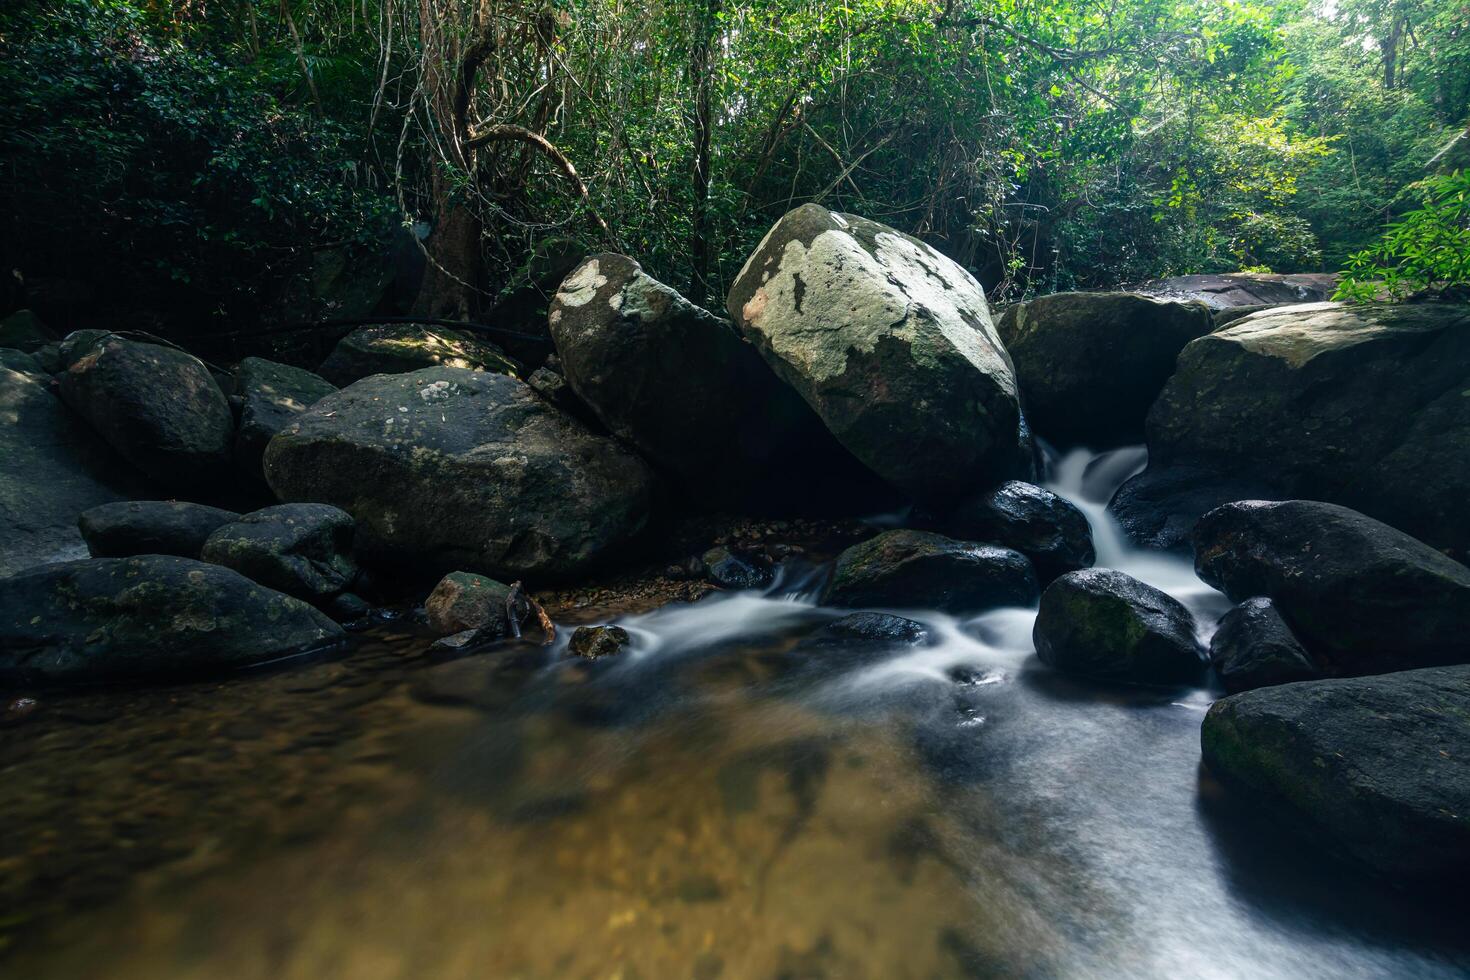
<point x="304" y="550"/>
<point x="150" y="527"/>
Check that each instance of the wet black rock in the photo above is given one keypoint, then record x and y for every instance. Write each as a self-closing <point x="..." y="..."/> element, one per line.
<point x="1372" y="767"/>
<point x="303" y="550"/>
<point x="1044" y="527"/>
<point x="157" y="406"/>
<point x="737" y="570"/>
<point x="271" y="395"/>
<point x="1361" y="596"/>
<point x="150" y="527"/>
<point x="595" y="642"/>
<point x="918" y="569"/>
<point x="1091" y="364"/>
<point x="1253" y="647"/>
<point x="447" y="469"/>
<point x="1159" y="507"/>
<point x="349" y="607"/>
<point x="870" y="627"/>
<point x="466" y="601"/>
<point x="1102" y="623"/>
<point x="151" y="616"/>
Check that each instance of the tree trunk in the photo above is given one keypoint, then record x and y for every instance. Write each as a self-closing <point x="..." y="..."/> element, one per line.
<point x="456" y="268"/>
<point x="701" y="122"/>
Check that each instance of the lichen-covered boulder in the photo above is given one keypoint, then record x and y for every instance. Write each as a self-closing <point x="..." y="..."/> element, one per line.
<point x="891" y="343"/>
<point x="52" y="468"/>
<point x="1362" y="406"/>
<point x="1091" y="364"/>
<point x="449" y="469"/>
<point x="397" y="348"/>
<point x="271" y="395"/>
<point x="125" y="528"/>
<point x="304" y="550"/>
<point x="150" y="616"/>
<point x="466" y="601"/>
<point x="680" y="385"/>
<point x="921" y="570"/>
<point x="1361" y="596"/>
<point x="1253" y="647"/>
<point x="157" y="406"/>
<point x="1103" y="623"/>
<point x="1371" y="767"/>
<point x="1041" y="525"/>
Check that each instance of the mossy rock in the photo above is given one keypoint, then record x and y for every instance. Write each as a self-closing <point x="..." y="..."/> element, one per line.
<point x="397" y="348"/>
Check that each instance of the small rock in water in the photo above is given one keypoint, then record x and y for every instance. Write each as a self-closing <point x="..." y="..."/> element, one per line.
<point x="917" y="569"/>
<point x="1043" y="526"/>
<point x="466" y="601"/>
<point x="18" y="710"/>
<point x="737" y="570"/>
<point x="871" y="627"/>
<point x="1103" y="623"/>
<point x="596" y="642"/>
<point x="1253" y="647"/>
<point x="349" y="608"/>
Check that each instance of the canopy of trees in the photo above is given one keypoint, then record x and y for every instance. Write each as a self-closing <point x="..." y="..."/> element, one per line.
<point x="190" y="161"/>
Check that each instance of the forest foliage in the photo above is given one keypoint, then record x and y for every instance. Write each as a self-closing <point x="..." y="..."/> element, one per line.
<point x="190" y="158"/>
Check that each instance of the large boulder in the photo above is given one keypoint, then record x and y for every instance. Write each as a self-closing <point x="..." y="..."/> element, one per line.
<point x="1091" y="364"/>
<point x="680" y="385"/>
<point x="1361" y="596"/>
<point x="1045" y="527"/>
<point x="52" y="468"/>
<point x="1231" y="289"/>
<point x="921" y="570"/>
<point x="1253" y="647"/>
<point x="891" y="343"/>
<point x="450" y="469"/>
<point x="151" y="616"/>
<point x="304" y="550"/>
<point x="125" y="528"/>
<point x="159" y="407"/>
<point x="1371" y="767"/>
<point x="1103" y="623"/>
<point x="271" y="395"/>
<point x="1359" y="405"/>
<point x="397" y="348"/>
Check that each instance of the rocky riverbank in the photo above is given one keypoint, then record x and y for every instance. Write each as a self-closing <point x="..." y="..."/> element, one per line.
<point x="234" y="518"/>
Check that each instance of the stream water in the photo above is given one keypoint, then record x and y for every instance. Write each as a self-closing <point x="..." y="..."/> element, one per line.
<point x="726" y="799"/>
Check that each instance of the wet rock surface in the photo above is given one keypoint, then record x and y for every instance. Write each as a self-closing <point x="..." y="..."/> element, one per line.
<point x="1043" y="526"/>
<point x="150" y="527"/>
<point x="1232" y="289"/>
<point x="891" y="343"/>
<point x="304" y="550"/>
<point x="736" y="569"/>
<point x="871" y="628"/>
<point x="1106" y="624"/>
<point x="1253" y="647"/>
<point x="157" y="406"/>
<point x="398" y="348"/>
<point x="1372" y="767"/>
<point x="449" y="469"/>
<point x="1362" y="406"/>
<point x="154" y="616"/>
<point x="596" y="642"/>
<point x="1091" y="364"/>
<point x="919" y="569"/>
<point x="1361" y="596"/>
<point x="466" y="601"/>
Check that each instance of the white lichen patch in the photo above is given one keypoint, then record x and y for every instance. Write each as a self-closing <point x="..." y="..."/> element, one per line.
<point x="1297" y="334"/>
<point x="579" y="287"/>
<point x="437" y="391"/>
<point x="901" y="290"/>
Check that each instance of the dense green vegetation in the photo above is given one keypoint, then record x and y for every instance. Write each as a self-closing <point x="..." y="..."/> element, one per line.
<point x="192" y="164"/>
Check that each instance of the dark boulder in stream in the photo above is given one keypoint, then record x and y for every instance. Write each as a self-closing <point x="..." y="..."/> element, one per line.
<point x="125" y="528"/>
<point x="466" y="601"/>
<point x="1361" y="596"/>
<point x="151" y="616"/>
<point x="872" y="628"/>
<point x="680" y="384"/>
<point x="271" y="395"/>
<point x="596" y="642"/>
<point x="730" y="568"/>
<point x="922" y="570"/>
<point x="1253" y="647"/>
<point x="304" y="550"/>
<point x="1103" y="623"/>
<point x="1091" y="364"/>
<point x="449" y="469"/>
<point x="397" y="348"/>
<point x="891" y="343"/>
<point x="159" y="407"/>
<point x="1358" y="405"/>
<point x="1373" y="767"/>
<point x="1043" y="526"/>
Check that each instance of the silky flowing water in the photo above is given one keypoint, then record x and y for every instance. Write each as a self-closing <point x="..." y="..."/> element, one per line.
<point x="725" y="799"/>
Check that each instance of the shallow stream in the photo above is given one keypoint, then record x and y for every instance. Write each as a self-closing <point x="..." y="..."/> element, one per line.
<point x="726" y="799"/>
